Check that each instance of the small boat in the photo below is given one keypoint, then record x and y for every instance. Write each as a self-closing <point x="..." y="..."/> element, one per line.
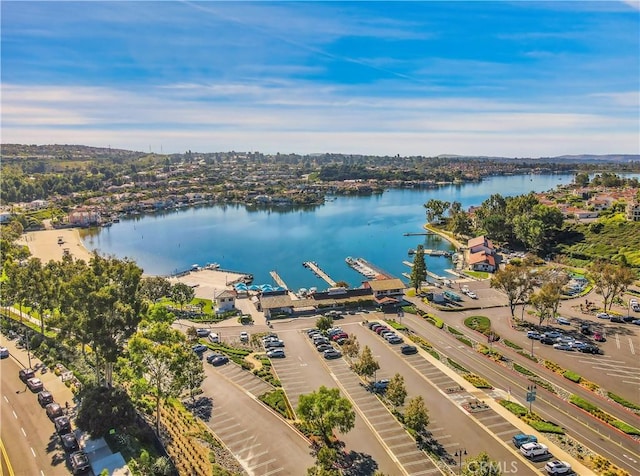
<point x="411" y="251"/>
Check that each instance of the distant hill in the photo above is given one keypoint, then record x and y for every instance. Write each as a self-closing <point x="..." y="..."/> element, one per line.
<point x="618" y="158"/>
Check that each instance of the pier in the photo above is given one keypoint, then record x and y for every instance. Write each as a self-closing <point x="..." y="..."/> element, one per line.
<point x="279" y="281"/>
<point x="313" y="266"/>
<point x="420" y="233"/>
<point x="429" y="273"/>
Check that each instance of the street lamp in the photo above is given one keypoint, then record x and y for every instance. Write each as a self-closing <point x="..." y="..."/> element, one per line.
<point x="531" y="395"/>
<point x="26" y="338"/>
<point x="458" y="454"/>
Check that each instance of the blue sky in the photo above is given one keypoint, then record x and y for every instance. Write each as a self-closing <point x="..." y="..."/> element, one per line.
<point x="517" y="79"/>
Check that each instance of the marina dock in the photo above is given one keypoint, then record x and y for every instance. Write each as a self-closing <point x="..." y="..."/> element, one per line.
<point x="367" y="269"/>
<point x="279" y="281"/>
<point x="313" y="266"/>
<point x="422" y="233"/>
<point x="429" y="273"/>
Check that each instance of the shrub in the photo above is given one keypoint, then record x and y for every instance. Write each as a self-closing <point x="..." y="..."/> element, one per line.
<point x="574" y="377"/>
<point x="456" y="365"/>
<point x="513" y="345"/>
<point x="545" y="426"/>
<point x="477" y="381"/>
<point x="622" y="401"/>
<point x="514" y="408"/>
<point x="553" y="366"/>
<point x="396" y="325"/>
<point x="522" y="370"/>
<point x="465" y="341"/>
<point x="454" y="331"/>
<point x="478" y="323"/>
<point x="533" y="358"/>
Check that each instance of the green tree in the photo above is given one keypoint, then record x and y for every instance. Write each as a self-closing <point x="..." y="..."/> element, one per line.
<point x="547" y="300"/>
<point x="435" y="209"/>
<point x="416" y="415"/>
<point x="419" y="268"/>
<point x="155" y="288"/>
<point x="610" y="280"/>
<point x="581" y="179"/>
<point x="396" y="392"/>
<point x="481" y="465"/>
<point x="366" y="365"/>
<point x="324" y="323"/>
<point x="515" y="282"/>
<point x="324" y="410"/>
<point x="326" y="460"/>
<point x="103" y="409"/>
<point x="182" y="294"/>
<point x="351" y="348"/>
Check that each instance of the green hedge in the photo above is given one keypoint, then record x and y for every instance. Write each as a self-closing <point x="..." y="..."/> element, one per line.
<point x="574" y="377"/>
<point x="622" y="401"/>
<point x="277" y="400"/>
<point x="396" y="325"/>
<point x="598" y="413"/>
<point x="522" y="370"/>
<point x="513" y="345"/>
<point x="481" y="324"/>
<point x="465" y="341"/>
<point x="454" y="331"/>
<point x="477" y="381"/>
<point x="514" y="408"/>
<point x="532" y="420"/>
<point x="456" y="365"/>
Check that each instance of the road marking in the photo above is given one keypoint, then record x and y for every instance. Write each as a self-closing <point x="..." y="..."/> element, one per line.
<point x="6" y="399"/>
<point x="33" y="452"/>
<point x="631" y="346"/>
<point x="617" y="340"/>
<point x="5" y="457"/>
<point x="14" y="414"/>
<point x="41" y="473"/>
<point x="23" y="432"/>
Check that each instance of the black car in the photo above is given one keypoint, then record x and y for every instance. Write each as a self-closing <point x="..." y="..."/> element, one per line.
<point x="409" y="349"/>
<point x="69" y="442"/>
<point x="26" y="374"/>
<point x="589" y="349"/>
<point x="217" y="359"/>
<point x="45" y="398"/>
<point x="62" y="424"/>
<point x="79" y="462"/>
<point x="616" y="319"/>
<point x="547" y="340"/>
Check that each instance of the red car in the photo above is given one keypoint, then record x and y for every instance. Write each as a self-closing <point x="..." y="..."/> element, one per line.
<point x="599" y="337"/>
<point x="342" y="335"/>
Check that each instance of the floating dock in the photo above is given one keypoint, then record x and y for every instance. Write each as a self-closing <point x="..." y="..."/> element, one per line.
<point x="279" y="281"/>
<point x="422" y="233"/>
<point x="313" y="266"/>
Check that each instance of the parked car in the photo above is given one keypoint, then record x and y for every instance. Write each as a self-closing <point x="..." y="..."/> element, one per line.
<point x="381" y="329"/>
<point x="533" y="335"/>
<point x="603" y="315"/>
<point x="557" y="467"/>
<point x="395" y="339"/>
<point x="617" y="319"/>
<point x="199" y="348"/>
<point x="268" y="344"/>
<point x="323" y="347"/>
<point x="636" y="307"/>
<point x="532" y="450"/>
<point x="408" y="349"/>
<point x="312" y="331"/>
<point x="35" y="384"/>
<point x="214" y="338"/>
<point x="4" y="352"/>
<point x="553" y="334"/>
<point x="45" y="398"/>
<point x="69" y="442"/>
<point x="332" y="354"/>
<point x="244" y="336"/>
<point x="636" y="322"/>
<point x="217" y="359"/>
<point x="563" y="321"/>
<point x="79" y="462"/>
<point x="599" y="337"/>
<point x="589" y="349"/>
<point x="54" y="410"/>
<point x="62" y="424"/>
<point x="202" y="332"/>
<point x="380" y="386"/>
<point x="472" y="295"/>
<point x="341" y="335"/>
<point x="522" y="438"/>
<point x="585" y="329"/>
<point x="276" y="354"/>
<point x="628" y="318"/>
<point x="562" y="346"/>
<point x="547" y="340"/>
<point x="26" y="374"/>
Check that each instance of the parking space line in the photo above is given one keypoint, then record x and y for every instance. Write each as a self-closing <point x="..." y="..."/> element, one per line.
<point x="14" y="414"/>
<point x="263" y="463"/>
<point x="617" y="340"/>
<point x="232" y="435"/>
<point x="274" y="471"/>
<point x="633" y="351"/>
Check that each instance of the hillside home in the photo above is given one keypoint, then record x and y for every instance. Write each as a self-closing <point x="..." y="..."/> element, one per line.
<point x="633" y="211"/>
<point x="84" y="217"/>
<point x="481" y="254"/>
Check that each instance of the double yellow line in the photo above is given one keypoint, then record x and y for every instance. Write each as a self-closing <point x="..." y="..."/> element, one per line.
<point x="6" y="460"/>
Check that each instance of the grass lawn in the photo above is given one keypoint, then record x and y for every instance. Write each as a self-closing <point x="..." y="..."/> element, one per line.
<point x="477" y="274"/>
<point x="478" y="323"/>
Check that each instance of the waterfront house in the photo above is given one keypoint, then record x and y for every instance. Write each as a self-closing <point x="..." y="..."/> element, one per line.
<point x="225" y="300"/>
<point x="83" y="217"/>
<point x="386" y="291"/>
<point x="482" y="254"/>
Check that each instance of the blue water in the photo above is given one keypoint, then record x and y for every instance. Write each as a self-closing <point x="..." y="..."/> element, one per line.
<point x="257" y="242"/>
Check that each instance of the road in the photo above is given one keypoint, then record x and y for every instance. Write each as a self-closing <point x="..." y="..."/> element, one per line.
<point x="599" y="437"/>
<point x="28" y="435"/>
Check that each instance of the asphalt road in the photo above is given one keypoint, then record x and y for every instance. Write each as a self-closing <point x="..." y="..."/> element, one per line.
<point x="601" y="438"/>
<point x="27" y="433"/>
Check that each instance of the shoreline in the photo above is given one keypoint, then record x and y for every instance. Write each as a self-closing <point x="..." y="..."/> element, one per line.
<point x="44" y="244"/>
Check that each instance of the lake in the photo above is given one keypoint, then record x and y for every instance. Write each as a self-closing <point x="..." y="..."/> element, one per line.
<point x="370" y="227"/>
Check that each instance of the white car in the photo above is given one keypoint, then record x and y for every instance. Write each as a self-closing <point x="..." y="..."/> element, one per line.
<point x="557" y="467"/>
<point x="532" y="450"/>
<point x="603" y="315"/>
<point x="244" y="336"/>
<point x="472" y="295"/>
<point x="563" y="321"/>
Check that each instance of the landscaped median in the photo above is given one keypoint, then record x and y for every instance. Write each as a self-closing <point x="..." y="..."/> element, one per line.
<point x="604" y="416"/>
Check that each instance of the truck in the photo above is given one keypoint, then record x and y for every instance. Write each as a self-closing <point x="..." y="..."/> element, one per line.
<point x="534" y="450"/>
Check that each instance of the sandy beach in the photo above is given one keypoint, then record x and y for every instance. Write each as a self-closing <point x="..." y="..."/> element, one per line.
<point x="44" y="244"/>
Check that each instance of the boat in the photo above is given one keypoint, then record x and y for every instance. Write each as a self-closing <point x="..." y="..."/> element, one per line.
<point x="411" y="251"/>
